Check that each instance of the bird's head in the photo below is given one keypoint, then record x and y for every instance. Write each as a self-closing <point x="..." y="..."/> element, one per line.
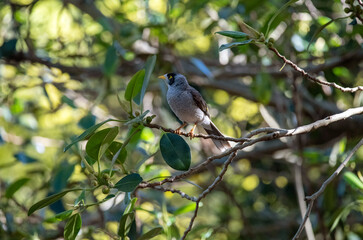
<point x="174" y="79"/>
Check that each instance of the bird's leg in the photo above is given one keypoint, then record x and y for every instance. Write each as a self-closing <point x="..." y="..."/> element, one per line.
<point x="191" y="133"/>
<point x="177" y="131"/>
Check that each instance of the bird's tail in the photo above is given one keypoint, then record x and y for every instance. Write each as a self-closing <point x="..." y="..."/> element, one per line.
<point x="211" y="129"/>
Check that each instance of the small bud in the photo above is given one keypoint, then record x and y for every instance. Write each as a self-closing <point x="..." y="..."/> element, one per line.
<point x="346" y="10"/>
<point x="271" y="40"/>
<point x="149" y="119"/>
<point x="105" y="176"/>
<point x="94" y="183"/>
<point x="105" y="190"/>
<point x="135" y="125"/>
<point x="137" y="113"/>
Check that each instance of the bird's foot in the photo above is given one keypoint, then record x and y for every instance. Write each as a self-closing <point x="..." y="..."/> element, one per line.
<point x="178" y="131"/>
<point x="191" y="133"/>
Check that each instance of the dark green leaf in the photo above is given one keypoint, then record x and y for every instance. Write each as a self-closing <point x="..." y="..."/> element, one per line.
<point x="111" y="135"/>
<point x="353" y="180"/>
<point x="63" y="173"/>
<point x="100" y="141"/>
<point x="87" y="133"/>
<point x="15" y="186"/>
<point x="234" y="44"/>
<point x="68" y="101"/>
<point x="128" y="183"/>
<point x="8" y="48"/>
<point x="113" y="149"/>
<point x="233" y="34"/>
<point x="152" y="233"/>
<point x="135" y="85"/>
<point x="149" y="67"/>
<point x="321" y="28"/>
<point x="22" y="157"/>
<point x="175" y="151"/>
<point x="111" y="61"/>
<point x="72" y="227"/>
<point x="277" y="13"/>
<point x="87" y="121"/>
<point x="48" y="200"/>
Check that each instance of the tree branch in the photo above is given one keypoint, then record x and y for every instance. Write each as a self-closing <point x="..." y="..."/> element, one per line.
<point x="314" y="196"/>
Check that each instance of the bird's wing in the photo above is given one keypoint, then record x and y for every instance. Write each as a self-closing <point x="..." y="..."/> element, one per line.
<point x="199" y="101"/>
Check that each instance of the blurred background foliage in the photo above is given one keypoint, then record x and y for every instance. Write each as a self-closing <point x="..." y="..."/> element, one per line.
<point x="63" y="64"/>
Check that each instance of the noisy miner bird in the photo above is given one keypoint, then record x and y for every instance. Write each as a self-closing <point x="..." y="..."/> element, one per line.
<point x="190" y="107"/>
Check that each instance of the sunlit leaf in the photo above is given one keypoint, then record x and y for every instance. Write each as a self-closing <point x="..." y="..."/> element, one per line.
<point x="233" y="34"/>
<point x="353" y="180"/>
<point x="135" y="85"/>
<point x="175" y="151"/>
<point x="87" y="133"/>
<point x="234" y="44"/>
<point x="72" y="227"/>
<point x="60" y="216"/>
<point x="15" y="186"/>
<point x="185" y="209"/>
<point x="129" y="183"/>
<point x="49" y="200"/>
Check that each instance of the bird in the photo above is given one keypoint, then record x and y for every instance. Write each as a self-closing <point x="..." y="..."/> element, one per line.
<point x="190" y="107"/>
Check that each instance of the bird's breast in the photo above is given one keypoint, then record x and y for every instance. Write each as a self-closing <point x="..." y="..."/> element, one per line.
<point x="184" y="107"/>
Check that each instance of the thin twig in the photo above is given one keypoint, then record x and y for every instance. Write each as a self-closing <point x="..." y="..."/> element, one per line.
<point x="182" y="194"/>
<point x="217" y="180"/>
<point x="314" y="79"/>
<point x="314" y="196"/>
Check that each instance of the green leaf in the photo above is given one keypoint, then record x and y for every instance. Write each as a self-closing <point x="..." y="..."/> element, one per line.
<point x="129" y="183"/>
<point x="111" y="135"/>
<point x="185" y="209"/>
<point x="233" y="34"/>
<point x="72" y="227"/>
<point x="60" y="216"/>
<point x="262" y="88"/>
<point x="100" y="141"/>
<point x="122" y="229"/>
<point x="234" y="44"/>
<point x="277" y="13"/>
<point x="135" y="85"/>
<point x="175" y="151"/>
<point x="353" y="180"/>
<point x="149" y="67"/>
<point x="111" y="61"/>
<point x="128" y="214"/>
<point x="15" y="186"/>
<point x="150" y="234"/>
<point x="87" y="133"/>
<point x="49" y="200"/>
<point x="321" y="28"/>
<point x="113" y="149"/>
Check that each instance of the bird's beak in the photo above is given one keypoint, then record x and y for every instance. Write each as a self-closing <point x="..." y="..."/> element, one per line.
<point x="162" y="77"/>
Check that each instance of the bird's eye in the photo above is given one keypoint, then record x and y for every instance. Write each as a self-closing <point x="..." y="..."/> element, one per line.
<point x="170" y="77"/>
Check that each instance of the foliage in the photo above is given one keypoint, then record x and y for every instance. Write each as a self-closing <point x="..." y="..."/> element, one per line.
<point x="85" y="145"/>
